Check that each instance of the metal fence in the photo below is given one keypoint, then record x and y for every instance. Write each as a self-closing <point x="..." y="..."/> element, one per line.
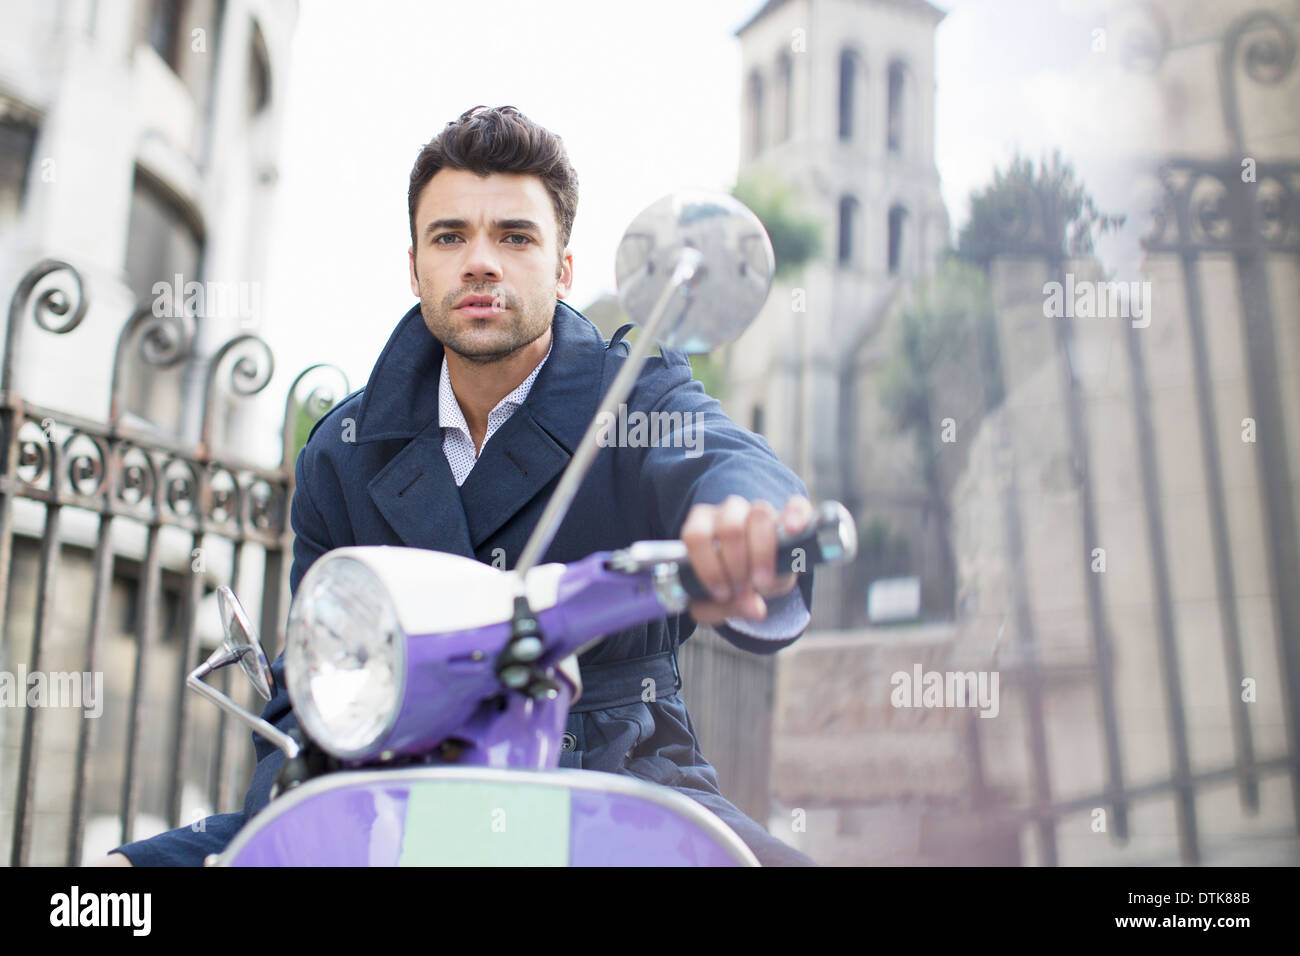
<point x="131" y="475"/>
<point x="1207" y="208"/>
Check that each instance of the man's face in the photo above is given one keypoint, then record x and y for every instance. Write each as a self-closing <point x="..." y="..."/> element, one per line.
<point x="494" y="242"/>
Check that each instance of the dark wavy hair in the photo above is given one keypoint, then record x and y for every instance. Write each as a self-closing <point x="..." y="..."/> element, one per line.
<point x="500" y="140"/>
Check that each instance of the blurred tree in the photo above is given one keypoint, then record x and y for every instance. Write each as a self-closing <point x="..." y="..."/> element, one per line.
<point x="1032" y="211"/>
<point x="943" y="378"/>
<point x="796" y="238"/>
<point x="303" y="422"/>
<point x="708" y="371"/>
<point x="607" y="315"/>
<point x="796" y="241"/>
<point x="945" y="375"/>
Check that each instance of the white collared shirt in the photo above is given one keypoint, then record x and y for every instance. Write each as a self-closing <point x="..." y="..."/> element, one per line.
<point x="457" y="444"/>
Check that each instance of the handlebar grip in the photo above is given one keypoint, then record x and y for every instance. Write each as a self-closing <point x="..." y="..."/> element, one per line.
<point x="831" y="537"/>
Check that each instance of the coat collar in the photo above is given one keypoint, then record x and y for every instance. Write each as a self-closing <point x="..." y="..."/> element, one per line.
<point x="415" y="491"/>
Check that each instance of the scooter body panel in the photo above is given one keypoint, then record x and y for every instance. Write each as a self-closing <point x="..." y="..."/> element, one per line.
<point x="481" y="816"/>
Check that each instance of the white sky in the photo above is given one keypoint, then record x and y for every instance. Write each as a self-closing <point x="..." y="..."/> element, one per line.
<point x="647" y="99"/>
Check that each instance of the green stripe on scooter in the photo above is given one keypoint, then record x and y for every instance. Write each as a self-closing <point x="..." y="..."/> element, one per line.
<point x="478" y="823"/>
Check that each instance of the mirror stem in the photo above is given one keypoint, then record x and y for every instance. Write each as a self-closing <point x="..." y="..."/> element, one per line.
<point x="688" y="261"/>
<point x="194" y="682"/>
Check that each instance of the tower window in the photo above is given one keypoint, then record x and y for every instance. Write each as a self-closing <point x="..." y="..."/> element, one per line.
<point x="897" y="220"/>
<point x="848" y="224"/>
<point x="785" y="96"/>
<point x="848" y="84"/>
<point x="756" y="133"/>
<point x="897" y="81"/>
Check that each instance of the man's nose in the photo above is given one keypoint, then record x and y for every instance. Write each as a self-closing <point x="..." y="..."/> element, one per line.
<point x="481" y="259"/>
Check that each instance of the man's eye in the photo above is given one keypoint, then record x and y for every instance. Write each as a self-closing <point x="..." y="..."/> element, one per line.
<point x="516" y="235"/>
<point x="437" y="240"/>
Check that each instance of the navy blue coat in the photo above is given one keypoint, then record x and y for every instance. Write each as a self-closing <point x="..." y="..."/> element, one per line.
<point x="373" y="472"/>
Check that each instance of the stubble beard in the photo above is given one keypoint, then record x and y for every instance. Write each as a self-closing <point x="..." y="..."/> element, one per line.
<point x="524" y="324"/>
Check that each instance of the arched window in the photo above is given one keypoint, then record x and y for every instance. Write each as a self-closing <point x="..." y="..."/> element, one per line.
<point x="847" y="252"/>
<point x="755" y="98"/>
<point x="164" y="244"/>
<point x="784" y="96"/>
<point x="849" y="70"/>
<point x="164" y="237"/>
<point x="897" y="224"/>
<point x="897" y="102"/>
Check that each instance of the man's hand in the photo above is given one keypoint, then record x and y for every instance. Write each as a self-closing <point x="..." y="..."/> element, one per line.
<point x="732" y="548"/>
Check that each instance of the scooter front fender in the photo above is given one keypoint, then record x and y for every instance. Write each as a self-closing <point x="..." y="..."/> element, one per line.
<point x="481" y="816"/>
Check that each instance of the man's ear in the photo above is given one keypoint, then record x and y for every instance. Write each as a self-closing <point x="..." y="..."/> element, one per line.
<point x="564" y="279"/>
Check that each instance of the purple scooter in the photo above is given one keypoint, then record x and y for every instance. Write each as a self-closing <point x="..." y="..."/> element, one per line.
<point x="432" y="690"/>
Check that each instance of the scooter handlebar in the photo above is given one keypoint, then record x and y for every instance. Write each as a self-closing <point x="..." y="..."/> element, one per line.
<point x="831" y="537"/>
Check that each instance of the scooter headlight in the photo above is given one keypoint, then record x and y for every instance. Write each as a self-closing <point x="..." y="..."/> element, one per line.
<point x="345" y="657"/>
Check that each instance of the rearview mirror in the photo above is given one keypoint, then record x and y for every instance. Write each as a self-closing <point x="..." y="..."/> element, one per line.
<point x="693" y="269"/>
<point x="242" y="643"/>
<point x="731" y="279"/>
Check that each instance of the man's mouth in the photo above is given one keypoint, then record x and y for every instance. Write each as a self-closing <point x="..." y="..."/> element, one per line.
<point x="479" y="306"/>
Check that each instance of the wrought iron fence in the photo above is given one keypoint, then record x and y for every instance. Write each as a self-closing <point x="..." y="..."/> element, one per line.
<point x="126" y="474"/>
<point x="1206" y="208"/>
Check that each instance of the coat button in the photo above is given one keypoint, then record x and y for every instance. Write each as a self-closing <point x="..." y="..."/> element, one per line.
<point x="568" y="742"/>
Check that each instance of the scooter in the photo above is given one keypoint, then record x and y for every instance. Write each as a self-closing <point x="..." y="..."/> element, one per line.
<point x="432" y="690"/>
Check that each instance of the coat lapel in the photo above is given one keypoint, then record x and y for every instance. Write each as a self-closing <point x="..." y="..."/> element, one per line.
<point x="518" y="461"/>
<point x="416" y="492"/>
<point x="534" y="446"/>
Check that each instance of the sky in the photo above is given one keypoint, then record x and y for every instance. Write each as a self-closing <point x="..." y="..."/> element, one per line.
<point x="647" y="99"/>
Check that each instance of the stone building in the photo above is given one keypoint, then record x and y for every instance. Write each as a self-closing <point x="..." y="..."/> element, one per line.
<point x="140" y="143"/>
<point x="838" y="105"/>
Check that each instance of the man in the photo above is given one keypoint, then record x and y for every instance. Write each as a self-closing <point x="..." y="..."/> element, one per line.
<point x="472" y="411"/>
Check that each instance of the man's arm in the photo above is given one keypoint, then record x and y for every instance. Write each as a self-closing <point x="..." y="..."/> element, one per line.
<point x="184" y="846"/>
<point x="722" y="489"/>
<point x="311" y="535"/>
